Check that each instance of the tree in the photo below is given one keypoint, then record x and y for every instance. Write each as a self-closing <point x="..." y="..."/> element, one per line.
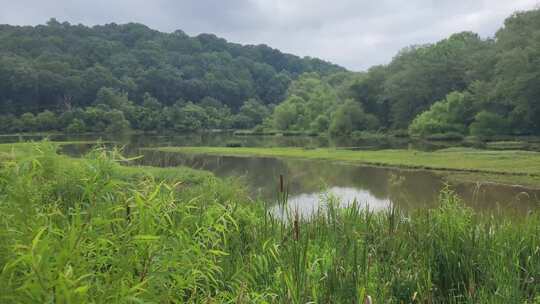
<point x="351" y="117"/>
<point x="252" y="113"/>
<point x="446" y="116"/>
<point x="309" y="97"/>
<point x="76" y="126"/>
<point x="188" y="117"/>
<point x="117" y="123"/>
<point x="284" y="115"/>
<point x="29" y="122"/>
<point x="46" y="121"/>
<point x="112" y="98"/>
<point x="219" y="115"/>
<point x="489" y="124"/>
<point x="150" y="115"/>
<point x="62" y="66"/>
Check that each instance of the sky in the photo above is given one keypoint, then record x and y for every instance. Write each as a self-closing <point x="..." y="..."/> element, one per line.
<point x="355" y="34"/>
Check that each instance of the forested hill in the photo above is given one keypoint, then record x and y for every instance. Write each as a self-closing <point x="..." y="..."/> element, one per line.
<point x="118" y="77"/>
<point x="463" y="85"/>
<point x="59" y="65"/>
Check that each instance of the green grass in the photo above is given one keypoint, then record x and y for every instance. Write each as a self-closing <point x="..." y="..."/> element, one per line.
<point x="499" y="166"/>
<point x="92" y="231"/>
<point x="507" y="145"/>
<point x="24" y="150"/>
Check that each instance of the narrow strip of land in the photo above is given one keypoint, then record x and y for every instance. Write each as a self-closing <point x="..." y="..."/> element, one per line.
<point x="521" y="167"/>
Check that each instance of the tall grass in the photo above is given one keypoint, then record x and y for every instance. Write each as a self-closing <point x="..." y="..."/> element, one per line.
<point x="85" y="231"/>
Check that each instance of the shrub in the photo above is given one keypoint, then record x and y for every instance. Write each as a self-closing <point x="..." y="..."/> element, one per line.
<point x="76" y="126"/>
<point x="489" y="124"/>
<point x="445" y="116"/>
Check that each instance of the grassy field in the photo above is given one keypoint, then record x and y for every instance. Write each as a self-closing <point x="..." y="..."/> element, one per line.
<point x="519" y="167"/>
<point x="90" y="231"/>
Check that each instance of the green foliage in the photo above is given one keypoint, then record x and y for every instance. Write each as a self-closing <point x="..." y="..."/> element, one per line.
<point x="28" y="122"/>
<point x="252" y="113"/>
<point x="76" y="72"/>
<point x="47" y="120"/>
<point x="350" y="117"/>
<point x="310" y="104"/>
<point x="285" y="114"/>
<point x="446" y="116"/>
<point x="91" y="231"/>
<point x="495" y="75"/>
<point x="489" y="124"/>
<point x="188" y="117"/>
<point x="116" y="122"/>
<point x="54" y="66"/>
<point x="76" y="126"/>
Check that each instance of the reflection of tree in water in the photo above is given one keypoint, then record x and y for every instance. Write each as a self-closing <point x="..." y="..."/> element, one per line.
<point x="498" y="198"/>
<point x="406" y="188"/>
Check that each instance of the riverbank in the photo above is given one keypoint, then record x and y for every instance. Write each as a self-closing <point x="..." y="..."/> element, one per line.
<point x="18" y="152"/>
<point x="83" y="230"/>
<point x="470" y="165"/>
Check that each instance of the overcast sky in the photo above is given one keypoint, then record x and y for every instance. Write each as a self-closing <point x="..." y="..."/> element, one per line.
<point x="353" y="33"/>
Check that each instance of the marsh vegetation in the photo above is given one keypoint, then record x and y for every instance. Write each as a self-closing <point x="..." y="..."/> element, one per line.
<point x="90" y="230"/>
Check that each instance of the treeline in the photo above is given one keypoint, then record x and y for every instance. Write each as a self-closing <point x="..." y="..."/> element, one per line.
<point x="60" y="67"/>
<point x="113" y="112"/>
<point x="463" y="85"/>
<point x="59" y="77"/>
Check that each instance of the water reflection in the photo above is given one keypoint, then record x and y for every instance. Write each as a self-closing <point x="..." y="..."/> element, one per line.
<point x="307" y="204"/>
<point x="310" y="182"/>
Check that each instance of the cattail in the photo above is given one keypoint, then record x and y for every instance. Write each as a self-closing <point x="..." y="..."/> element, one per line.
<point x="128" y="213"/>
<point x="296" y="226"/>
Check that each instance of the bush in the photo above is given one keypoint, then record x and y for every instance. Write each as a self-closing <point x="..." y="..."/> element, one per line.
<point x="445" y="116"/>
<point x="351" y="117"/>
<point x="47" y="121"/>
<point x="76" y="126"/>
<point x="489" y="124"/>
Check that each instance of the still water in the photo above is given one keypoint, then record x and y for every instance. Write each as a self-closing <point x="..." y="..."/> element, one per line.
<point x="312" y="183"/>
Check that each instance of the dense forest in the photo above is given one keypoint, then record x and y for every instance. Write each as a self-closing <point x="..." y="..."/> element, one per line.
<point x="117" y="77"/>
<point x="63" y="76"/>
<point x="458" y="86"/>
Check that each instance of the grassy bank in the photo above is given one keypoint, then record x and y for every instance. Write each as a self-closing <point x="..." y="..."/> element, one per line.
<point x="23" y="151"/>
<point x="84" y="231"/>
<point x="520" y="167"/>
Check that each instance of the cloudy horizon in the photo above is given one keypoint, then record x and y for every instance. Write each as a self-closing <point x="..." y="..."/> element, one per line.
<point x="353" y="34"/>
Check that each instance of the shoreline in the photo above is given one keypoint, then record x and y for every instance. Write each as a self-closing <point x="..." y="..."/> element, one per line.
<point x="526" y="174"/>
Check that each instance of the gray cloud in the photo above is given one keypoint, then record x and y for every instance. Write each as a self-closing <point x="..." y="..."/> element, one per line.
<point x="353" y="33"/>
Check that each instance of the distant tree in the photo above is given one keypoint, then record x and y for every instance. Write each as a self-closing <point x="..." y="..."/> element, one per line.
<point x="76" y="126"/>
<point x="351" y="117"/>
<point x="320" y="124"/>
<point x="47" y="121"/>
<point x="309" y="97"/>
<point x="112" y="98"/>
<point x="284" y="115"/>
<point x="252" y="113"/>
<point x="150" y="116"/>
<point x="29" y="122"/>
<point x="445" y="116"/>
<point x="188" y="117"/>
<point x="117" y="123"/>
<point x="63" y="66"/>
<point x="489" y="124"/>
